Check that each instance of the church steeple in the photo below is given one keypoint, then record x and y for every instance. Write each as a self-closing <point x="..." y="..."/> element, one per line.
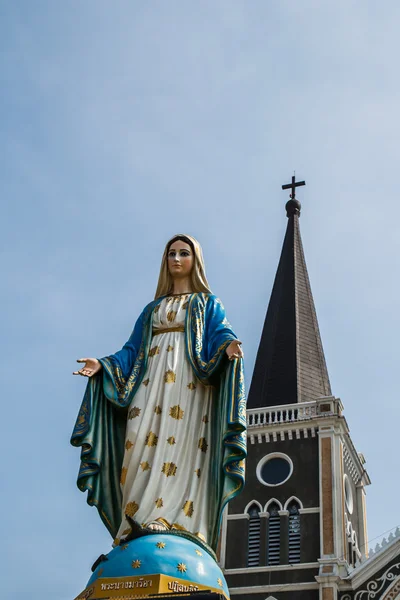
<point x="298" y="530"/>
<point x="290" y="365"/>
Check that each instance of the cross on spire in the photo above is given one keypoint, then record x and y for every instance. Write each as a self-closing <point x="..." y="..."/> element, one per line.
<point x="293" y="186"/>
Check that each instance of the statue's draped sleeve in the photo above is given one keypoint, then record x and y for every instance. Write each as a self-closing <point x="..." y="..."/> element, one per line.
<point x="100" y="427"/>
<point x="101" y="422"/>
<point x="208" y="334"/>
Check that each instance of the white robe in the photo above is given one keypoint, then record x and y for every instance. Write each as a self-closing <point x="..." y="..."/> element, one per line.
<point x="166" y="466"/>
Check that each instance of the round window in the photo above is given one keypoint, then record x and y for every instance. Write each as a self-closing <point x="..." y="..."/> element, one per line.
<point x="348" y="494"/>
<point x="274" y="469"/>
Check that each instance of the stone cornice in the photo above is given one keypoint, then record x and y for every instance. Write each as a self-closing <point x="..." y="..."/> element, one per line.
<point x="303" y="420"/>
<point x="283" y="587"/>
<point x="377" y="561"/>
<point x="291" y="567"/>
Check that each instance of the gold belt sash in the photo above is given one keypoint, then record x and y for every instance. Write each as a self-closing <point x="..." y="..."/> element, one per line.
<point x="168" y="330"/>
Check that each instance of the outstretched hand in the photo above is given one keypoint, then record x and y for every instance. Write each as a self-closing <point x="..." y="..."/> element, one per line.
<point x="92" y="366"/>
<point x="234" y="350"/>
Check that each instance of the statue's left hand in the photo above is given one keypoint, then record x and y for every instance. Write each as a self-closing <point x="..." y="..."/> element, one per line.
<point x="234" y="350"/>
<point x="92" y="366"/>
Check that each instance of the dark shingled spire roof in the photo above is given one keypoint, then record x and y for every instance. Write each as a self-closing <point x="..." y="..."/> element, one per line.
<point x="290" y="365"/>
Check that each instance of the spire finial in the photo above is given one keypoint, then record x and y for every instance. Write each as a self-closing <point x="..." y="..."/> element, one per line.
<point x="293" y="206"/>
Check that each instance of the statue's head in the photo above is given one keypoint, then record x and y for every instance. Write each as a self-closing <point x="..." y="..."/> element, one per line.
<point x="182" y="257"/>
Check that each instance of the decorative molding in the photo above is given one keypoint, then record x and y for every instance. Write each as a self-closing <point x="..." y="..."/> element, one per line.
<point x="299" y="502"/>
<point x="348" y="494"/>
<point x="265" y="569"/>
<point x="269" y="418"/>
<point x="377" y="560"/>
<point x="356" y="460"/>
<point x="282" y="509"/>
<point x="351" y="537"/>
<point x="384" y="543"/>
<point x="354" y="472"/>
<point x="281" y="435"/>
<point x="393" y="591"/>
<point x="238" y="516"/>
<point x="289" y="413"/>
<point x="375" y="586"/>
<point x="286" y="587"/>
<point x="271" y="501"/>
<point x="269" y="457"/>
<point x="307" y="511"/>
<point x="251" y="504"/>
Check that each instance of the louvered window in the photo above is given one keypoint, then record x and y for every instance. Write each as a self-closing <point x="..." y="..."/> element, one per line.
<point x="274" y="535"/>
<point x="253" y="553"/>
<point x="294" y="533"/>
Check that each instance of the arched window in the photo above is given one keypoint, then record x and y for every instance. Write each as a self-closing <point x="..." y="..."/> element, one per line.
<point x="294" y="532"/>
<point x="274" y="535"/>
<point x="253" y="551"/>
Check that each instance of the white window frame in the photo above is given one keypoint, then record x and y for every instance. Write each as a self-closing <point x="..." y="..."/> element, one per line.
<point x="267" y="458"/>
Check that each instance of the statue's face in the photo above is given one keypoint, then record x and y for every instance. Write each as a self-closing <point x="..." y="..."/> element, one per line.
<point x="180" y="259"/>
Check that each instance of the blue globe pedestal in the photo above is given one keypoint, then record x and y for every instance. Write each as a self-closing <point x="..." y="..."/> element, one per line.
<point x="159" y="563"/>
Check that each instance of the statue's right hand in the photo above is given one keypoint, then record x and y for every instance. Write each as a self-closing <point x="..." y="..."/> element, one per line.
<point x="92" y="366"/>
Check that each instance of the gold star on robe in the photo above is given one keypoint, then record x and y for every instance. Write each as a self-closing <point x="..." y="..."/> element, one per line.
<point x="151" y="439"/>
<point x="181" y="567"/>
<point x="146" y="382"/>
<point x="188" y="508"/>
<point x="128" y="445"/>
<point x="158" y="410"/>
<point x="159" y="503"/>
<point x="161" y="545"/>
<point x="198" y="472"/>
<point x="191" y="386"/>
<point x="171" y="440"/>
<point x="169" y="469"/>
<point x="203" y="444"/>
<point x="154" y="351"/>
<point x="134" y="412"/>
<point x="170" y="348"/>
<point x="205" y="419"/>
<point x="171" y="316"/>
<point x="145" y="466"/>
<point x="169" y="377"/>
<point x="131" y="509"/>
<point x="136" y="564"/>
<point x="176" y="412"/>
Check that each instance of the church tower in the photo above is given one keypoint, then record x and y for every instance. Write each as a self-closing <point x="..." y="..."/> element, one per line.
<point x="299" y="527"/>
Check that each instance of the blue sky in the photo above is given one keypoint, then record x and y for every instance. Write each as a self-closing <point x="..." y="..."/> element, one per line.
<point x="123" y="123"/>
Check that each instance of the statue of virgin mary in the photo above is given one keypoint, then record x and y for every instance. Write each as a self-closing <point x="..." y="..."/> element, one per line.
<point x="162" y="422"/>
